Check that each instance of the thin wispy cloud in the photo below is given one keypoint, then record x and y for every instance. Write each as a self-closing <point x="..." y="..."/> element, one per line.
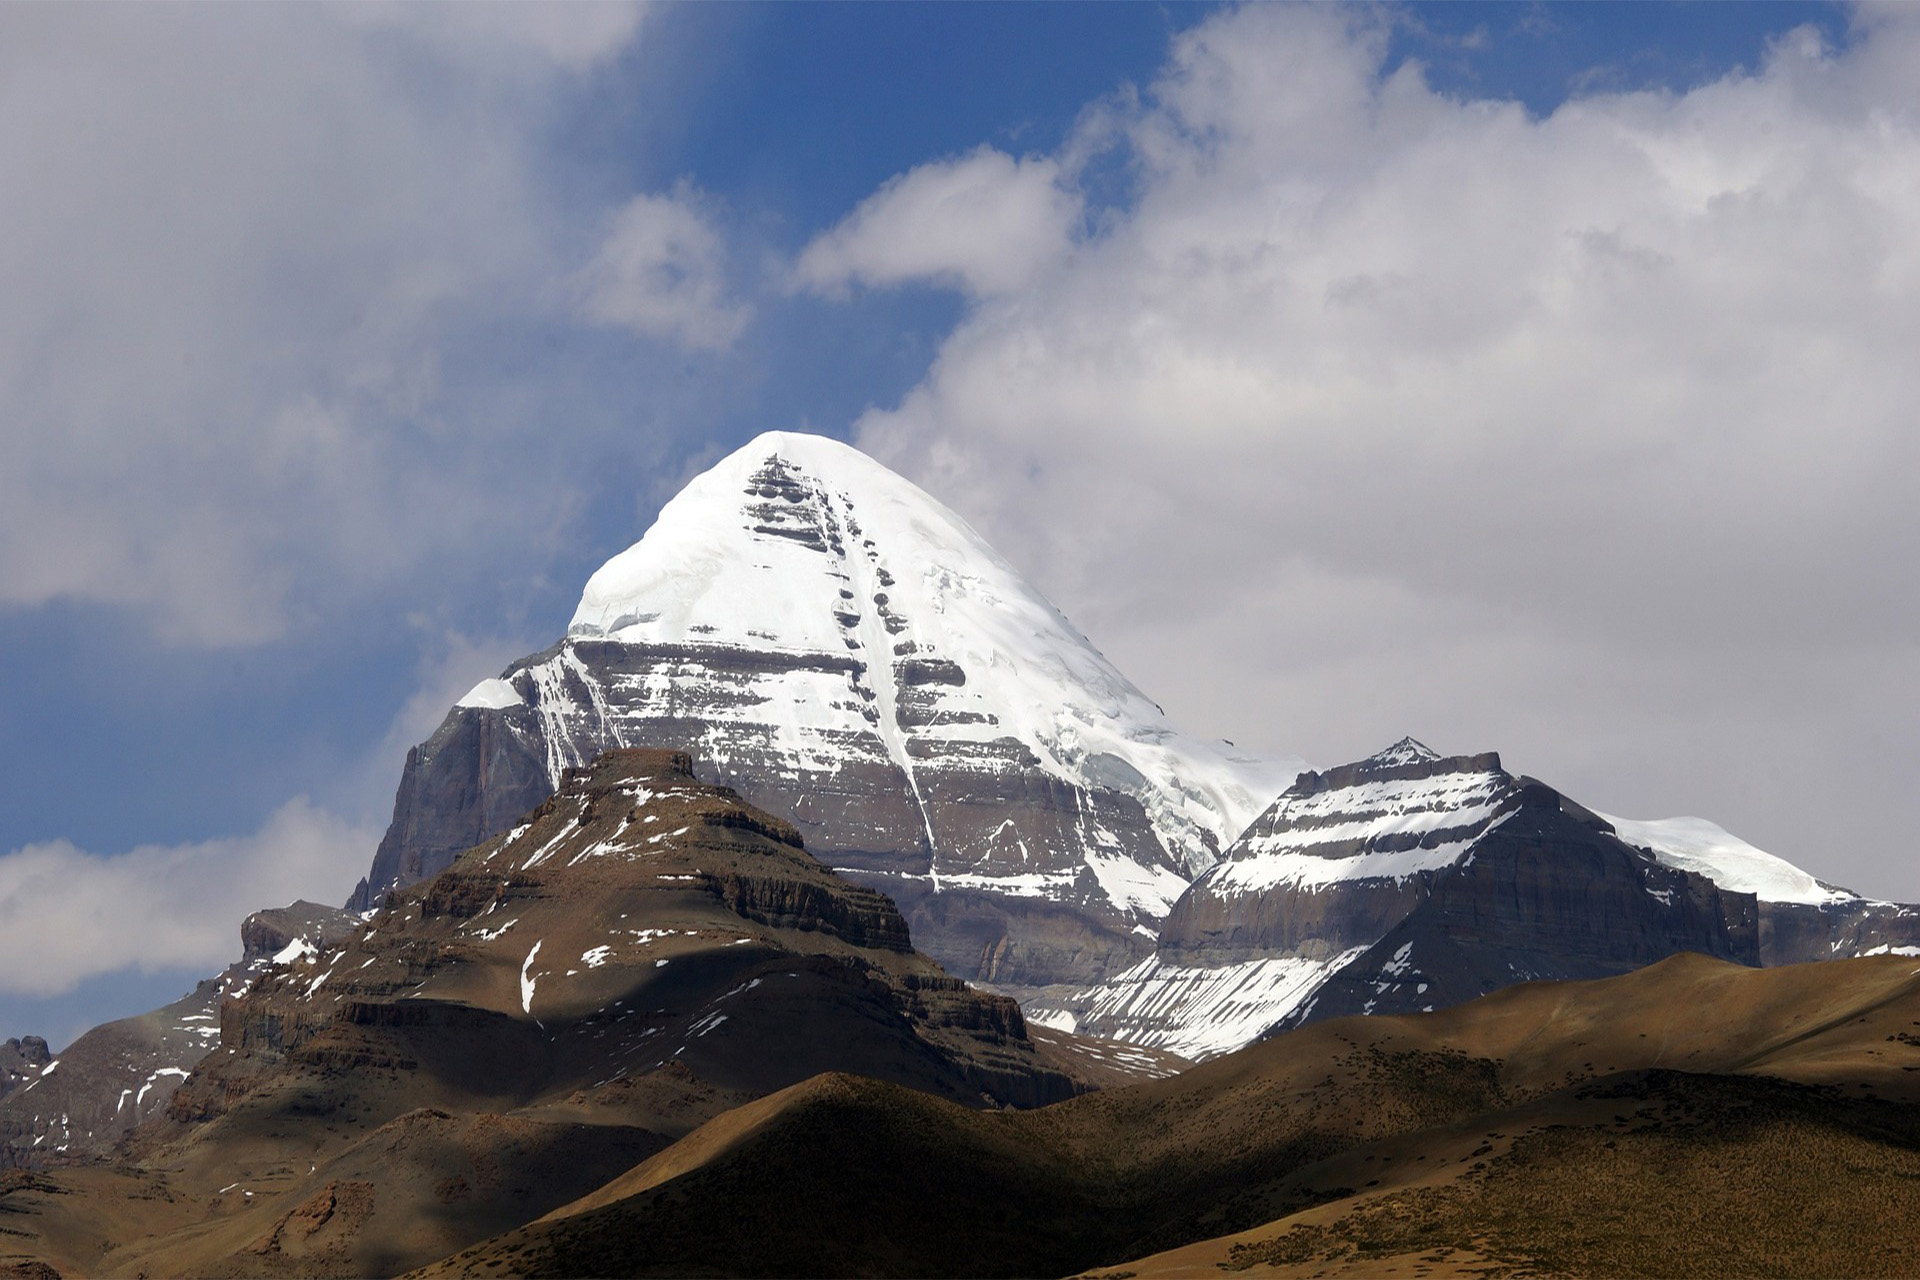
<point x="67" y="914"/>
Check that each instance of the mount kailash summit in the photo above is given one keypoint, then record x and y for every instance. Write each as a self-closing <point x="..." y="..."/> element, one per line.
<point x="827" y="639"/>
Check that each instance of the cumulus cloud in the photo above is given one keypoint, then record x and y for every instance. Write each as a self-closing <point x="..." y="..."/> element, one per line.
<point x="661" y="272"/>
<point x="236" y="247"/>
<point x="984" y="223"/>
<point x="67" y="915"/>
<point x="1587" y="437"/>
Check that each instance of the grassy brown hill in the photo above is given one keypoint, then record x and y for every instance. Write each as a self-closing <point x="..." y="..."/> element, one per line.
<point x="1643" y="1174"/>
<point x="1667" y="1121"/>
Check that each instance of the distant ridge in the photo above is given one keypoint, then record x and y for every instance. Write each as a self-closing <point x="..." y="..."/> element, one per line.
<point x="1407" y="882"/>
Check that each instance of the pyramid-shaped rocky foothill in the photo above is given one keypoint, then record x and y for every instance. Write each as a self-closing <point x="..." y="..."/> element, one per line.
<point x="639" y="917"/>
<point x="640" y="953"/>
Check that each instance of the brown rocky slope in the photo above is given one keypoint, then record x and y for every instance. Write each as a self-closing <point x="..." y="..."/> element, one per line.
<point x="641" y="953"/>
<point x="81" y="1105"/>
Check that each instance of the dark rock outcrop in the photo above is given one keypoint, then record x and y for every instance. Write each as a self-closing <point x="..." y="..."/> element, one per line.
<point x="481" y="769"/>
<point x="22" y="1060"/>
<point x="266" y="933"/>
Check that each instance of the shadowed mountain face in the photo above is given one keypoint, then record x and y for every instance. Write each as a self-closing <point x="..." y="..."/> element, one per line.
<point x="834" y="644"/>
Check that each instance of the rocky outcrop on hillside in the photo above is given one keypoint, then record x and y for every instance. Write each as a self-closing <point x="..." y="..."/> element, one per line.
<point x="105" y="1083"/>
<point x="301" y="925"/>
<point x="22" y="1060"/>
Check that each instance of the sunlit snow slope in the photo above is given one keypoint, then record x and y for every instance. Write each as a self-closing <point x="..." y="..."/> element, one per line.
<point x="1694" y="844"/>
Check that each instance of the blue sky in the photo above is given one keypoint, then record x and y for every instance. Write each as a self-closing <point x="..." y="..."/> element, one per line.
<point x="339" y="346"/>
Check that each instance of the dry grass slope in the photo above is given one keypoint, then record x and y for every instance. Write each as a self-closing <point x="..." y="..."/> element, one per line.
<point x="1706" y="1176"/>
<point x="1693" y="1118"/>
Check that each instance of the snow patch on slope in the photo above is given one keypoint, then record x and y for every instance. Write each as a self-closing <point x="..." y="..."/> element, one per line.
<point x="527" y="980"/>
<point x="494" y="693"/>
<point x="1694" y="844"/>
<point x="1193" y="1011"/>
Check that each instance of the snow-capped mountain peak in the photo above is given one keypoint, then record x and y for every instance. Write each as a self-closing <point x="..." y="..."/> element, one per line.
<point x="801" y="545"/>
<point x="1406" y="751"/>
<point x="832" y="641"/>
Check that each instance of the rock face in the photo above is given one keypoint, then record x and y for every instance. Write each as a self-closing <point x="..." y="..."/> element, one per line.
<point x="21" y="1061"/>
<point x="1801" y="918"/>
<point x="105" y="1083"/>
<point x="638" y="919"/>
<point x="1404" y="882"/>
<point x="279" y="932"/>
<point x="834" y="644"/>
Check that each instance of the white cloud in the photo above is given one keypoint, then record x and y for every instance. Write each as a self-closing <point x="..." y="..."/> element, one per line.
<point x="985" y="223"/>
<point x="1587" y="437"/>
<point x="67" y="915"/>
<point x="236" y="245"/>
<point x="577" y="35"/>
<point x="661" y="272"/>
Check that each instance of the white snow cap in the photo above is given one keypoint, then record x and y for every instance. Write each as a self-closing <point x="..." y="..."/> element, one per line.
<point x="493" y="694"/>
<point x="705" y="572"/>
<point x="1694" y="844"/>
<point x="1405" y="751"/>
<point x="801" y="544"/>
